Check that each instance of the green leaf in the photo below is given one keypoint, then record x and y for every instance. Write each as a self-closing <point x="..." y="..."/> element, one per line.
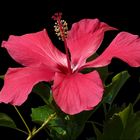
<point x="40" y="114"/>
<point x="61" y="127"/>
<point x="125" y="114"/>
<point x="114" y="87"/>
<point x="114" y="109"/>
<point x="56" y="126"/>
<point x="112" y="129"/>
<point x="58" y="129"/>
<point x="6" y="121"/>
<point x="131" y="123"/>
<point x="124" y="125"/>
<point x="79" y="121"/>
<point x="44" y="91"/>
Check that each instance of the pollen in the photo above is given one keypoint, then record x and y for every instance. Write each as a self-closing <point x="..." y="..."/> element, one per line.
<point x="60" y="27"/>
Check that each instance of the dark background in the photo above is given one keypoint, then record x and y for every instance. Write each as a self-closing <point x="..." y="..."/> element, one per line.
<point x="25" y="17"/>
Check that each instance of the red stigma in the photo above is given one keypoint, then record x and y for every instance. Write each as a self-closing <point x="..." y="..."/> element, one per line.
<point x="57" y="16"/>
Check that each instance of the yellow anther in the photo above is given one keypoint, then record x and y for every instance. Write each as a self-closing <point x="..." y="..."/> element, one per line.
<point x="61" y="29"/>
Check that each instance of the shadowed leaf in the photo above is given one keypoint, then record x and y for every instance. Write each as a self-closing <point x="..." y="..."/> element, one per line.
<point x="6" y="121"/>
<point x="114" y="87"/>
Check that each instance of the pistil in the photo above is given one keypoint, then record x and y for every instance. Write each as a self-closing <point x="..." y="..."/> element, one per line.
<point x="61" y="31"/>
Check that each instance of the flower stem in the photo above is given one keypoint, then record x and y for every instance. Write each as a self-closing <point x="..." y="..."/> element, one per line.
<point x="105" y="109"/>
<point x="21" y="131"/>
<point x="41" y="127"/>
<point x="136" y="100"/>
<point x="22" y="120"/>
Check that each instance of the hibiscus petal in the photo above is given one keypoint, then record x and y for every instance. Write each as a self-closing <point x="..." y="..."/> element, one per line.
<point x="19" y="82"/>
<point x="77" y="92"/>
<point x="125" y="46"/>
<point x="84" y="38"/>
<point x="33" y="49"/>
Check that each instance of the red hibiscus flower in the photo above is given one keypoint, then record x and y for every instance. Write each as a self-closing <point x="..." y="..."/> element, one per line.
<point x="72" y="91"/>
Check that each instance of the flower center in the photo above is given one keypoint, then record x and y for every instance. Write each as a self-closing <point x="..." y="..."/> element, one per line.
<point x="61" y="29"/>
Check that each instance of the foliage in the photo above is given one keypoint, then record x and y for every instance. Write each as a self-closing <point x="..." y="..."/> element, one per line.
<point x="120" y="122"/>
